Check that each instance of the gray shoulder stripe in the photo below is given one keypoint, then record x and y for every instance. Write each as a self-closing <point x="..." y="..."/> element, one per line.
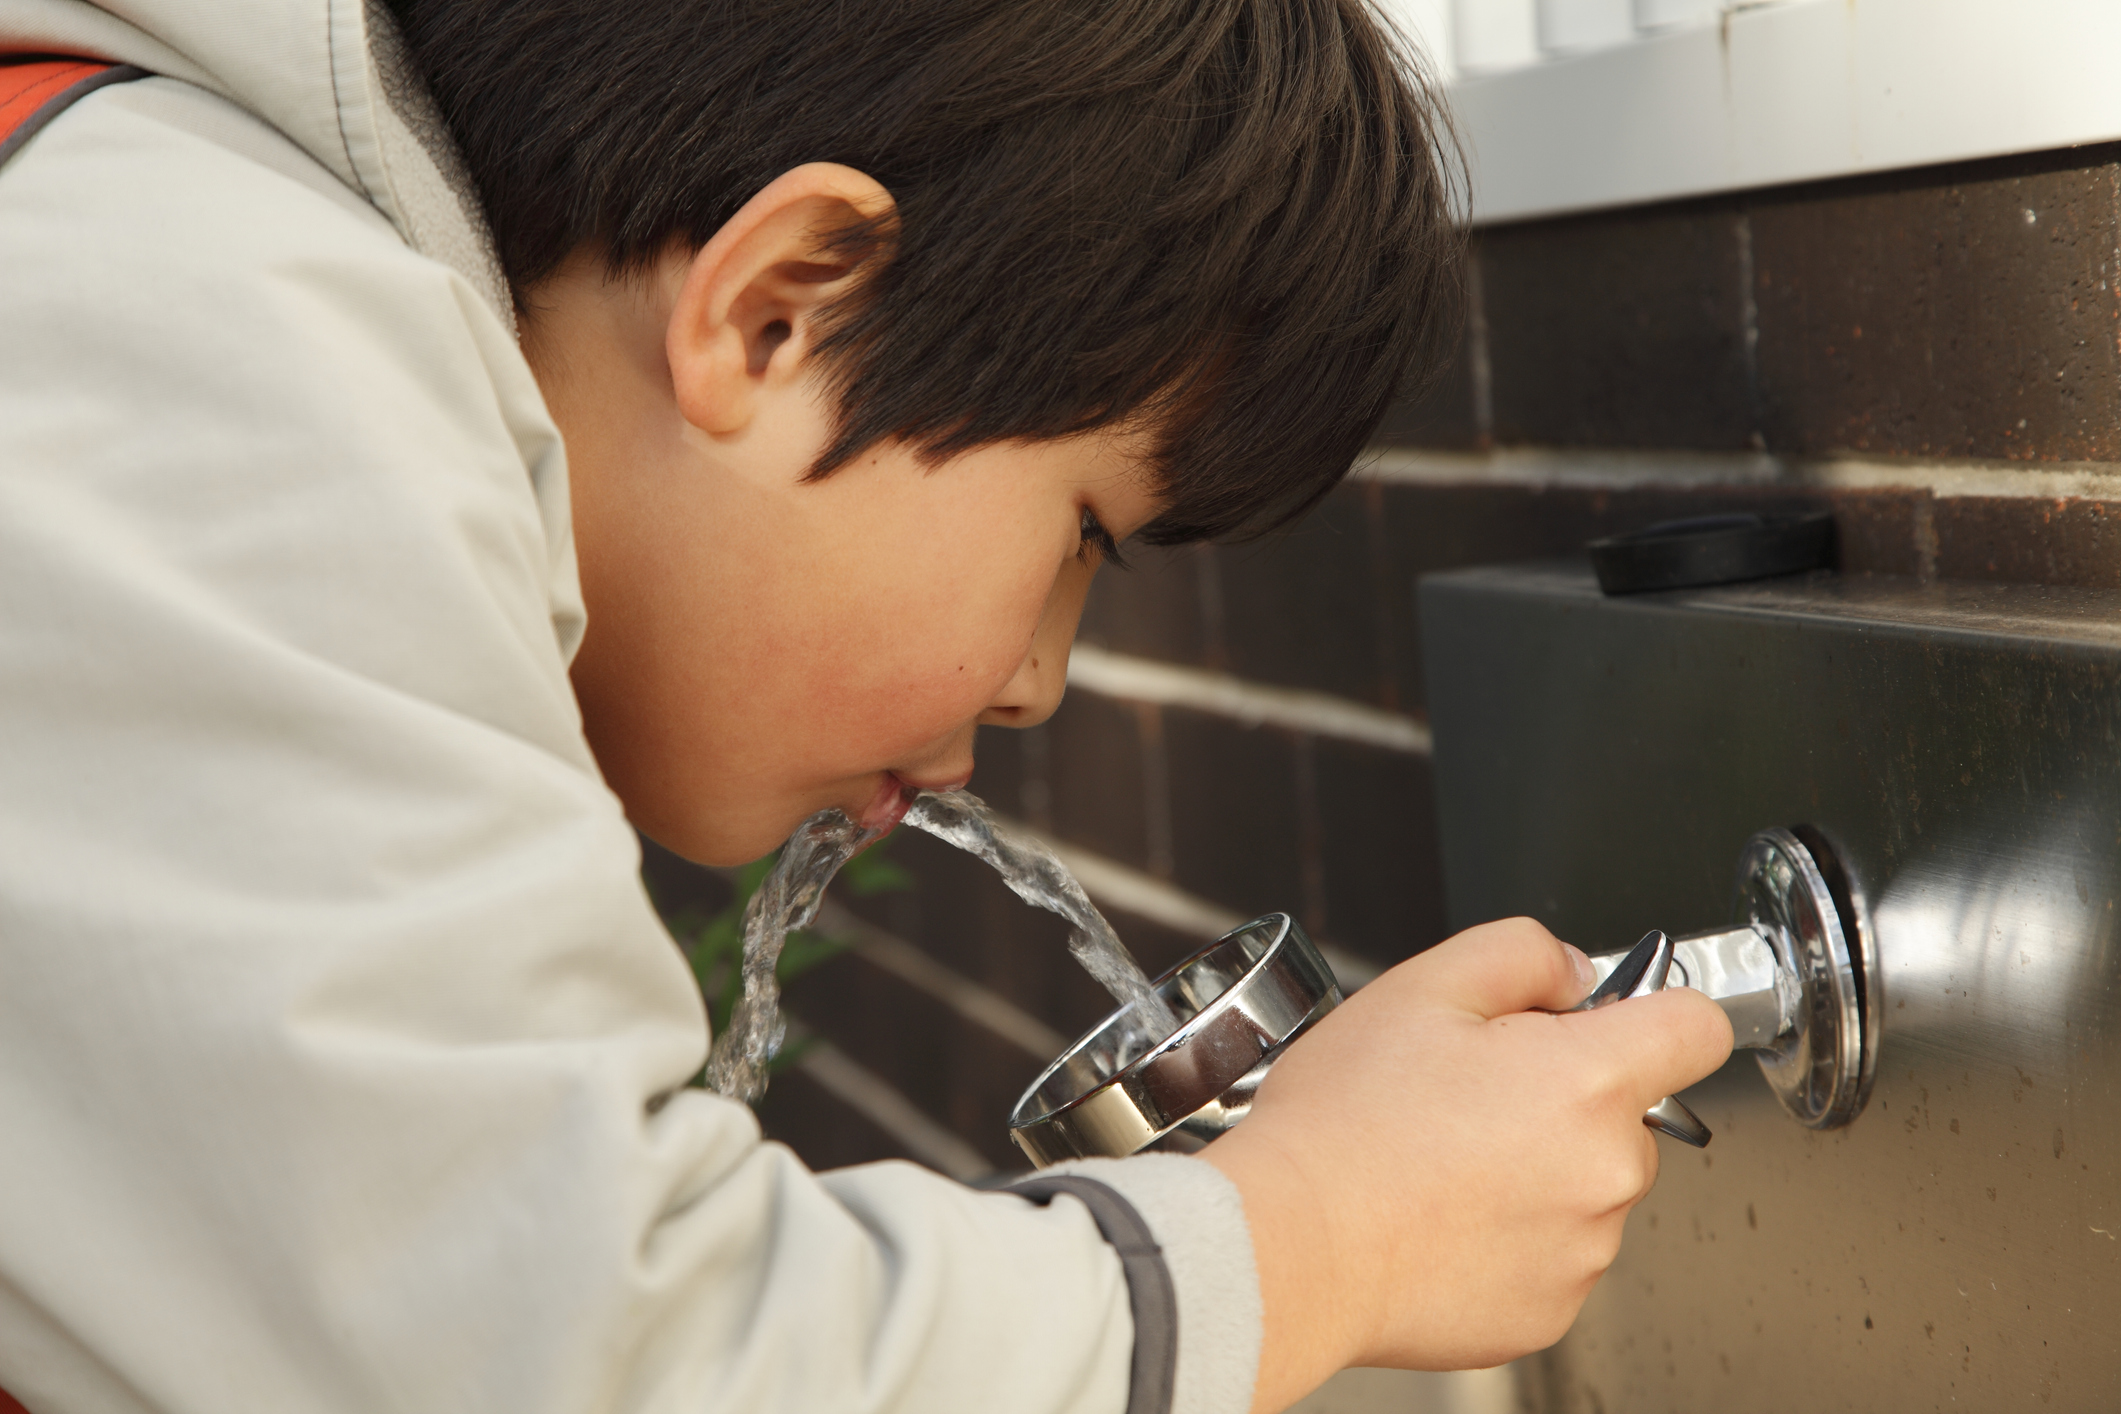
<point x="1154" y="1299"/>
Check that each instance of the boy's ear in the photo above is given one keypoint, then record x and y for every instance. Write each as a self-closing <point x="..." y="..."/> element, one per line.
<point x="745" y="315"/>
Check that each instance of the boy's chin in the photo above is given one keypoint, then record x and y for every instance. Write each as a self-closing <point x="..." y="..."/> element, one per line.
<point x="725" y="839"/>
<point x="713" y="852"/>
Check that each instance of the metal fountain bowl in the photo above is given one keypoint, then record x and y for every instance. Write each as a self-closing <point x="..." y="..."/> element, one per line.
<point x="1239" y="1001"/>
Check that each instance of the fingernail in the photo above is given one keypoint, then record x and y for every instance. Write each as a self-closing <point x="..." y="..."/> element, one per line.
<point x="1586" y="975"/>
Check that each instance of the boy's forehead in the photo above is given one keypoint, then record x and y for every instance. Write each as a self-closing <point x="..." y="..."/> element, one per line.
<point x="1130" y="451"/>
<point x="1123" y="460"/>
<point x="1126" y="465"/>
<point x="1117" y="474"/>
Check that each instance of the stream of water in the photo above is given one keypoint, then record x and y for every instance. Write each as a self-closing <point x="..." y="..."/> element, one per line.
<point x="789" y="897"/>
<point x="1034" y="875"/>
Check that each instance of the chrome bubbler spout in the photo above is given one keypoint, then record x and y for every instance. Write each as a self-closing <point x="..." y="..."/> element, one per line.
<point x="1239" y="1001"/>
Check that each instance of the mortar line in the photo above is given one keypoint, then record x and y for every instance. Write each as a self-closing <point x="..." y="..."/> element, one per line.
<point x="1156" y="790"/>
<point x="1550" y="469"/>
<point x="1482" y="371"/>
<point x="1310" y="835"/>
<point x="1749" y="328"/>
<point x="1130" y="679"/>
<point x="1208" y="590"/>
<point x="1036" y="752"/>
<point x="1123" y="889"/>
<point x="1389" y="612"/>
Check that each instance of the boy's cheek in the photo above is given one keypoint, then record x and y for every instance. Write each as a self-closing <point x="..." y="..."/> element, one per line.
<point x="903" y="683"/>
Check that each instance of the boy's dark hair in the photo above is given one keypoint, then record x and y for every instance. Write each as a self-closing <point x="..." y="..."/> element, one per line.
<point x="1231" y="218"/>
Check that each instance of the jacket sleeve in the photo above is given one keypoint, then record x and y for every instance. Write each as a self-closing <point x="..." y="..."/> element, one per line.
<point x="340" y="1053"/>
<point x="1187" y="1251"/>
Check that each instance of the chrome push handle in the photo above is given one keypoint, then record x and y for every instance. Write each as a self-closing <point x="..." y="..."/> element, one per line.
<point x="1736" y="969"/>
<point x="1796" y="976"/>
<point x="1639" y="971"/>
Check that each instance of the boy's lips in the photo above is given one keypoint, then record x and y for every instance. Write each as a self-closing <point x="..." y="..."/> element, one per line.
<point x="894" y="793"/>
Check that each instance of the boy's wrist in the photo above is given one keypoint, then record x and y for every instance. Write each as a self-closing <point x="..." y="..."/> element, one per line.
<point x="1318" y="1292"/>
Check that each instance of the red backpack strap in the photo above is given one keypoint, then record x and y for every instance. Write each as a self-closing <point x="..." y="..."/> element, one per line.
<point x="36" y="88"/>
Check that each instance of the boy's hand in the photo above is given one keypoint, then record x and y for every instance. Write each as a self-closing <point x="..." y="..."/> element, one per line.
<point x="1438" y="1173"/>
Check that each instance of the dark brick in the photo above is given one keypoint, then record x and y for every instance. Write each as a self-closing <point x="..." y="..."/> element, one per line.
<point x="998" y="774"/>
<point x="825" y="1132"/>
<point x="1439" y="412"/>
<point x="1621" y="329"/>
<point x="1915" y="313"/>
<point x="1154" y="608"/>
<point x="957" y="1072"/>
<point x="1235" y="817"/>
<point x="1382" y="870"/>
<point x="1923" y="314"/>
<point x="1880" y="531"/>
<point x="1301" y="608"/>
<point x="679" y="886"/>
<point x="1095" y="778"/>
<point x="2028" y="541"/>
<point x="962" y="914"/>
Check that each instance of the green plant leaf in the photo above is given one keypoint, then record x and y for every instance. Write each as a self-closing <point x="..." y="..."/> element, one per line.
<point x="870" y="873"/>
<point x="805" y="949"/>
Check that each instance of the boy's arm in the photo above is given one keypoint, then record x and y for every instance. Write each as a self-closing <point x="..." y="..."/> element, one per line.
<point x="340" y="1053"/>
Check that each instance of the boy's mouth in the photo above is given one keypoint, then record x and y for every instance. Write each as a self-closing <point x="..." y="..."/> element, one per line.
<point x="894" y="794"/>
<point x="888" y="805"/>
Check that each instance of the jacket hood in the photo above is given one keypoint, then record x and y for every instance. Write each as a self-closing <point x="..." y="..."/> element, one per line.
<point x="332" y="75"/>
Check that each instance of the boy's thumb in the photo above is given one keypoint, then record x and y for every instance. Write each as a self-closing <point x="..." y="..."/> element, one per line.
<point x="1665" y="1042"/>
<point x="1501" y="968"/>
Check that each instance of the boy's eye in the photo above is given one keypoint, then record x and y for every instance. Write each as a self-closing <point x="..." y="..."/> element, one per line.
<point x="1094" y="536"/>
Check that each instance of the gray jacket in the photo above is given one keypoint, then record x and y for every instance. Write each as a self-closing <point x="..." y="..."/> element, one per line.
<point x="341" y="1056"/>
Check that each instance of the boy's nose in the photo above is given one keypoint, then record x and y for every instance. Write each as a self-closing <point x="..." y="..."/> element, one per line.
<point x="1033" y="691"/>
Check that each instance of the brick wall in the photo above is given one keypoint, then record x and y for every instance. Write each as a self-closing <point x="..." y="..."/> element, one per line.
<point x="1934" y="355"/>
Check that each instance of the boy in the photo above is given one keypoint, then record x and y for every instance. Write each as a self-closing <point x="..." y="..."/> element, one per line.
<point x="821" y="351"/>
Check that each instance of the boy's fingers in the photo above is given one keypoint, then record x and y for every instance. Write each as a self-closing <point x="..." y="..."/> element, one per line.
<point x="1501" y="968"/>
<point x="1661" y="1044"/>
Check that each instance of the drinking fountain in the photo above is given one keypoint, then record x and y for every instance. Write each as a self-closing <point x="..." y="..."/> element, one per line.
<point x="1795" y="973"/>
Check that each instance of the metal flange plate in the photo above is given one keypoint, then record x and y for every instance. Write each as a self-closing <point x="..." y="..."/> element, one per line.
<point x="1818" y="1069"/>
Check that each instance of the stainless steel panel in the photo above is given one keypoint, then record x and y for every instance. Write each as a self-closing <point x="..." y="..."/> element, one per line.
<point x="1600" y="762"/>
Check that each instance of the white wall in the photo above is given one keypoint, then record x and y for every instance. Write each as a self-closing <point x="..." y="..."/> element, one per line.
<point x="1429" y="22"/>
<point x="1575" y="104"/>
<point x="1491" y="36"/>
